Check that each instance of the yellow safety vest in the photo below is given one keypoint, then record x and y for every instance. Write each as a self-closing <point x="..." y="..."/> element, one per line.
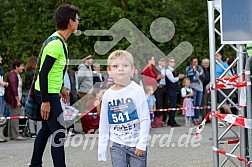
<point x="249" y="49"/>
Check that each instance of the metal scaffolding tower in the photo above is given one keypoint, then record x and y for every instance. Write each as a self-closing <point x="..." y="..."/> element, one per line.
<point x="213" y="19"/>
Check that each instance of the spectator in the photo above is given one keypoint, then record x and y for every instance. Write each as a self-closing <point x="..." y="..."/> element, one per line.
<point x="172" y="87"/>
<point x="149" y="73"/>
<point x="152" y="105"/>
<point x="85" y="75"/>
<point x="71" y="84"/>
<point x="108" y="80"/>
<point x="34" y="126"/>
<point x="49" y="89"/>
<point x="160" y="93"/>
<point x="187" y="94"/>
<point x="194" y="72"/>
<point x="225" y="59"/>
<point x="136" y="77"/>
<point x="220" y="68"/>
<point x="2" y="89"/>
<point x="98" y="79"/>
<point x="90" y="123"/>
<point x="206" y="81"/>
<point x="234" y="96"/>
<point x="232" y="69"/>
<point x="13" y="96"/>
<point x="151" y="76"/>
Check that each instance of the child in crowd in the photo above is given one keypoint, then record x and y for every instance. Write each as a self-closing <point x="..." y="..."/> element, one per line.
<point x="124" y="119"/>
<point x="187" y="94"/>
<point x="151" y="103"/>
<point x="90" y="123"/>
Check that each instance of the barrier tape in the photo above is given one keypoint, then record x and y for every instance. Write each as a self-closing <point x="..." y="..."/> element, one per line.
<point x="181" y="108"/>
<point x="229" y="142"/>
<point x="231" y="82"/>
<point x="82" y="114"/>
<point x="202" y="107"/>
<point x="202" y="124"/>
<point x="13" y="117"/>
<point x="25" y="117"/>
<point x="236" y="120"/>
<point x="231" y="155"/>
<point x="230" y="118"/>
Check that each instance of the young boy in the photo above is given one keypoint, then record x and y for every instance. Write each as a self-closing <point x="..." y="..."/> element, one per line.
<point x="151" y="100"/>
<point x="124" y="119"/>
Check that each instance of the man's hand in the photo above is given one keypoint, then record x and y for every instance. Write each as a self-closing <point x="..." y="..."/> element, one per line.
<point x="160" y="76"/>
<point x="19" y="104"/>
<point x="195" y="68"/>
<point x="65" y="95"/>
<point x="181" y="76"/>
<point x="139" y="152"/>
<point x="45" y="110"/>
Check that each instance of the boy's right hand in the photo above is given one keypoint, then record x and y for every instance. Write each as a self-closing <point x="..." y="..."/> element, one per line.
<point x="139" y="152"/>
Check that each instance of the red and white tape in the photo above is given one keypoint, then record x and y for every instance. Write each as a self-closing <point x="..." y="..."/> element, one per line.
<point x="185" y="108"/>
<point x="229" y="142"/>
<point x="80" y="114"/>
<point x="232" y="82"/>
<point x="236" y="120"/>
<point x="181" y="108"/>
<point x="230" y="118"/>
<point x="202" y="124"/>
<point x="25" y="117"/>
<point x="13" y="117"/>
<point x="231" y="155"/>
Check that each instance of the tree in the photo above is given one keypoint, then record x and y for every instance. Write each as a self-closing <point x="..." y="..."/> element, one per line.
<point x="26" y="24"/>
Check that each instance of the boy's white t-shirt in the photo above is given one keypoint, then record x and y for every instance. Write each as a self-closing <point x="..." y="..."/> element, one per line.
<point x="124" y="119"/>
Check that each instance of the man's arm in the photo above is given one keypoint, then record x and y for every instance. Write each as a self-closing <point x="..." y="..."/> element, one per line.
<point x="170" y="76"/>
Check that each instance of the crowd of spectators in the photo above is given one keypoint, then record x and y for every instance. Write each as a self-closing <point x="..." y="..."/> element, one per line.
<point x="161" y="82"/>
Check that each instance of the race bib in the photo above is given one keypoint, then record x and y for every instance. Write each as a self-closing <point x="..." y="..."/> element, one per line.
<point x="122" y="111"/>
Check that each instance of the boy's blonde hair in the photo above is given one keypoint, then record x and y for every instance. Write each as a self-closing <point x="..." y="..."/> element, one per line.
<point x="148" y="88"/>
<point x="120" y="53"/>
<point x="184" y="80"/>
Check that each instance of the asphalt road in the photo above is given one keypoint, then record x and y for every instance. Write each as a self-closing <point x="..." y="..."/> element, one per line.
<point x="172" y="147"/>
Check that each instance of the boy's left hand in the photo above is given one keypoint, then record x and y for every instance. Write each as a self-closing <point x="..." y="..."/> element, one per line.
<point x="139" y="152"/>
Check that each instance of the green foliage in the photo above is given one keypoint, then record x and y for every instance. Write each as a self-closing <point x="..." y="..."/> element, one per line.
<point x="25" y="24"/>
